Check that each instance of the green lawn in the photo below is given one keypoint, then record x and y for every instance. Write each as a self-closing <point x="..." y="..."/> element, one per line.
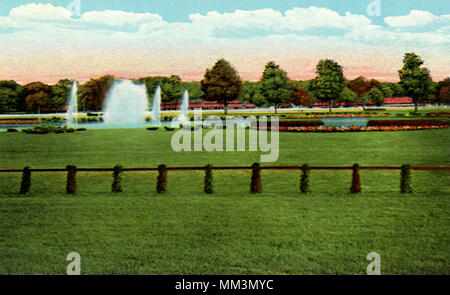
<point x="184" y="231"/>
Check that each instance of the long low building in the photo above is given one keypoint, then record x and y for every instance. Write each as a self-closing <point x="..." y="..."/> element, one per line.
<point x="236" y="104"/>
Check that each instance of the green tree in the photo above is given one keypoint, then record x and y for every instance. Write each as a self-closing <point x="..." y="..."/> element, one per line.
<point x="194" y="89"/>
<point x="329" y="83"/>
<point x="60" y="93"/>
<point x="93" y="93"/>
<point x="251" y="92"/>
<point x="348" y="95"/>
<point x="37" y="97"/>
<point x="171" y="87"/>
<point x="415" y="79"/>
<point x="376" y="96"/>
<point x="11" y="98"/>
<point x="275" y="85"/>
<point x="221" y="83"/>
<point x="386" y="89"/>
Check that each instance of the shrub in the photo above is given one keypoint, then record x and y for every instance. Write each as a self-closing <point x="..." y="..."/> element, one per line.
<point x="161" y="183"/>
<point x="152" y="128"/>
<point x="255" y="186"/>
<point x="356" y="180"/>
<point x="117" y="182"/>
<point x="26" y="181"/>
<point x="415" y="114"/>
<point x="48" y="129"/>
<point x="81" y="129"/>
<point x="208" y="180"/>
<point x="11" y="130"/>
<point x="71" y="187"/>
<point x="405" y="181"/>
<point x="304" y="180"/>
<point x="169" y="128"/>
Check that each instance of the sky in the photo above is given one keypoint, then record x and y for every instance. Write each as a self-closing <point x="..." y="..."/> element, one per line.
<point x="80" y="39"/>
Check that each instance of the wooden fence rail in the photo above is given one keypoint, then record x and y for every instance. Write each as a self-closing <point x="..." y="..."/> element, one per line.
<point x="255" y="186"/>
<point x="200" y="168"/>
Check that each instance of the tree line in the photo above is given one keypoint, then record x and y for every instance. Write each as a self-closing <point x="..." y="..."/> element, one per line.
<point x="222" y="83"/>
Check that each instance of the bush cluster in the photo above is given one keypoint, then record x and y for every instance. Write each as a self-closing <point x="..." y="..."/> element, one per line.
<point x="208" y="180"/>
<point x="26" y="181"/>
<point x="48" y="129"/>
<point x="405" y="181"/>
<point x="117" y="182"/>
<point x="161" y="181"/>
<point x="71" y="187"/>
<point x="304" y="179"/>
<point x="90" y="119"/>
<point x="255" y="186"/>
<point x="356" y="180"/>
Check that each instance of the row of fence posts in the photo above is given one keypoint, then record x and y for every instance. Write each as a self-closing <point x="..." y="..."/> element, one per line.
<point x="255" y="185"/>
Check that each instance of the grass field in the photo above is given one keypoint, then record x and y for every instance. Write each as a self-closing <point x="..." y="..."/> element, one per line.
<point x="184" y="231"/>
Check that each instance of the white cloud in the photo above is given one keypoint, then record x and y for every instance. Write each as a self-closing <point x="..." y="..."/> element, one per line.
<point x="47" y="24"/>
<point x="296" y="19"/>
<point x="263" y="19"/>
<point x="39" y="12"/>
<point x="416" y="18"/>
<point x="118" y="18"/>
<point x="299" y="19"/>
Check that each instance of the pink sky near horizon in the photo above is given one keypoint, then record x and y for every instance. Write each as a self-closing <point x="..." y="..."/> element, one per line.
<point x="50" y="67"/>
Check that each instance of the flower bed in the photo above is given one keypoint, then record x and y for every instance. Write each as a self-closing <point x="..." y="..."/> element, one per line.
<point x="401" y="123"/>
<point x="351" y="129"/>
<point x="316" y="123"/>
<point x="438" y="115"/>
<point x="337" y="116"/>
<point x="10" y="122"/>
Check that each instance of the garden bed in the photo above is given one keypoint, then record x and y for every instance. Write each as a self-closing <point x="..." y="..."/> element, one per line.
<point x="357" y="129"/>
<point x="400" y="123"/>
<point x="337" y="116"/>
<point x="18" y="122"/>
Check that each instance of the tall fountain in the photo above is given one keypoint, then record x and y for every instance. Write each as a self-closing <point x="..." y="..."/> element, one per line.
<point x="156" y="106"/>
<point x="126" y="103"/>
<point x="183" y="116"/>
<point x="72" y="102"/>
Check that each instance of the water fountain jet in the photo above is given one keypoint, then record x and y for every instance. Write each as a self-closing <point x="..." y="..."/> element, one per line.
<point x="72" y="102"/>
<point x="156" y="106"/>
<point x="183" y="116"/>
<point x="126" y="103"/>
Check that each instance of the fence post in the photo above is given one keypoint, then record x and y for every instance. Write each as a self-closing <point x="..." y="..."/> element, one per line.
<point x="405" y="181"/>
<point x="71" y="187"/>
<point x="208" y="180"/>
<point x="117" y="182"/>
<point x="304" y="180"/>
<point x="356" y="180"/>
<point x="161" y="183"/>
<point x="26" y="181"/>
<point x="255" y="186"/>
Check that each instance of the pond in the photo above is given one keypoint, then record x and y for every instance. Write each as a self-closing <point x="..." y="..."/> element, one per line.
<point x="344" y="122"/>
